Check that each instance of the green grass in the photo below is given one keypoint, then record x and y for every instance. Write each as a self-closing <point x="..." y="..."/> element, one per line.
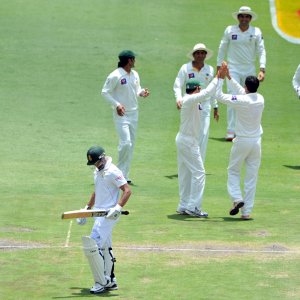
<point x="55" y="56"/>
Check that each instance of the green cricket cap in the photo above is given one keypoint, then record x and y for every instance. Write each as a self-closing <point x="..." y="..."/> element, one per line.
<point x="192" y="83"/>
<point x="94" y="154"/>
<point x="127" y="53"/>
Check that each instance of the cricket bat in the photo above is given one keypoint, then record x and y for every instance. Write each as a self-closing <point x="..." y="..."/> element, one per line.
<point x="87" y="213"/>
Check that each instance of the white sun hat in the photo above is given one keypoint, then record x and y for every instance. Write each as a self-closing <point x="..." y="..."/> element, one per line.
<point x="245" y="10"/>
<point x="199" y="47"/>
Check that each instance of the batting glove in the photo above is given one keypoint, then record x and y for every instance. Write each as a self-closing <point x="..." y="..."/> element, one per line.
<point x="114" y="212"/>
<point x="81" y="221"/>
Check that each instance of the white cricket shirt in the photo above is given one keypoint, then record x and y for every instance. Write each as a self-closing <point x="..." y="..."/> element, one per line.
<point x="123" y="88"/>
<point x="107" y="185"/>
<point x="248" y="107"/>
<point x="186" y="72"/>
<point x="190" y="113"/>
<point x="242" y="47"/>
<point x="296" y="81"/>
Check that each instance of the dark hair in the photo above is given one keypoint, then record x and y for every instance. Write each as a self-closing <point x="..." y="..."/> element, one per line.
<point x="252" y="84"/>
<point x="123" y="61"/>
<point x="190" y="91"/>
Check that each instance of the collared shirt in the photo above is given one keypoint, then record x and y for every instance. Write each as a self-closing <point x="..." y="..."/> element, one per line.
<point x="123" y="88"/>
<point x="107" y="185"/>
<point x="248" y="107"/>
<point x="190" y="113"/>
<point x="186" y="72"/>
<point x="242" y="47"/>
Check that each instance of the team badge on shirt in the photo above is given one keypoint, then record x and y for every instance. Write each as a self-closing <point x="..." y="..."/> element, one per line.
<point x="234" y="37"/>
<point x="119" y="178"/>
<point x="123" y="81"/>
<point x="233" y="98"/>
<point x="191" y="75"/>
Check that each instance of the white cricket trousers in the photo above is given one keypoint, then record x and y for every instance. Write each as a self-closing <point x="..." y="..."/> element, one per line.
<point x="244" y="151"/>
<point x="204" y="128"/>
<point x="126" y="127"/>
<point x="240" y="76"/>
<point x="191" y="173"/>
<point x="102" y="231"/>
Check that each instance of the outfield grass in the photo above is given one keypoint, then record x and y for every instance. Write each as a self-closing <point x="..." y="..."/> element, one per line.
<point x="54" y="60"/>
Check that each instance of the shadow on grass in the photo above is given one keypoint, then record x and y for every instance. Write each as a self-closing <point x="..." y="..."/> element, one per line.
<point x="179" y="217"/>
<point x="222" y="139"/>
<point x="84" y="292"/>
<point x="172" y="176"/>
<point x="230" y="219"/>
<point x="292" y="167"/>
<point x="176" y="176"/>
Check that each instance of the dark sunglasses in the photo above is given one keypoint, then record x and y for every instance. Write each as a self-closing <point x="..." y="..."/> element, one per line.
<point x="244" y="16"/>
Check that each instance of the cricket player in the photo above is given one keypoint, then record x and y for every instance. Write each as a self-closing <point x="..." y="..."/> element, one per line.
<point x="121" y="90"/>
<point x="197" y="68"/>
<point x="191" y="173"/>
<point x="296" y="81"/>
<point x="246" y="148"/>
<point x="242" y="43"/>
<point x="108" y="181"/>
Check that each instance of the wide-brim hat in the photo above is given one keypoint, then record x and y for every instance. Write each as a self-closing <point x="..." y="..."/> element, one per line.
<point x="245" y="10"/>
<point x="199" y="47"/>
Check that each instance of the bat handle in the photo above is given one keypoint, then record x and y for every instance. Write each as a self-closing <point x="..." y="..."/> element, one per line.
<point x="125" y="212"/>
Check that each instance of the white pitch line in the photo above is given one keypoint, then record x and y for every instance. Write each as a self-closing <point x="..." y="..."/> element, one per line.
<point x="69" y="234"/>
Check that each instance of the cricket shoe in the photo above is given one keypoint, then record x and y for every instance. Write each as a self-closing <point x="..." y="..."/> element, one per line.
<point x="197" y="213"/>
<point x="112" y="285"/>
<point x="97" y="289"/>
<point x="236" y="208"/>
<point x="229" y="136"/>
<point x="181" y="211"/>
<point x="245" y="217"/>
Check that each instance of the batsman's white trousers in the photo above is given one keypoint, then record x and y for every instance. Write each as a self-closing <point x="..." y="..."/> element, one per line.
<point x="126" y="127"/>
<point x="244" y="151"/>
<point x="204" y="128"/>
<point x="191" y="173"/>
<point x="240" y="76"/>
<point x="102" y="232"/>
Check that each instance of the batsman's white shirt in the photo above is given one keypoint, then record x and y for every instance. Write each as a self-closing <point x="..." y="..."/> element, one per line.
<point x="107" y="185"/>
<point x="241" y="48"/>
<point x="123" y="88"/>
<point x="296" y="81"/>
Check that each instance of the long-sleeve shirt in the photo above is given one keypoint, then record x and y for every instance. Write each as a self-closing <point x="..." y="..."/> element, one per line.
<point x="249" y="108"/>
<point x="242" y="47"/>
<point x="296" y="81"/>
<point x="190" y="113"/>
<point x="187" y="71"/>
<point x="123" y="88"/>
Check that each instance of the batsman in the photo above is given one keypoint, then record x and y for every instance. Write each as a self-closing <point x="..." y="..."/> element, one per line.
<point x="109" y="182"/>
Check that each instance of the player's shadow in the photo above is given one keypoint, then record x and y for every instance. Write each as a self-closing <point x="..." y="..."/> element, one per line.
<point x="176" y="176"/>
<point x="172" y="176"/>
<point x="221" y="139"/>
<point x="85" y="292"/>
<point x="292" y="167"/>
<point x="232" y="219"/>
<point x="179" y="217"/>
